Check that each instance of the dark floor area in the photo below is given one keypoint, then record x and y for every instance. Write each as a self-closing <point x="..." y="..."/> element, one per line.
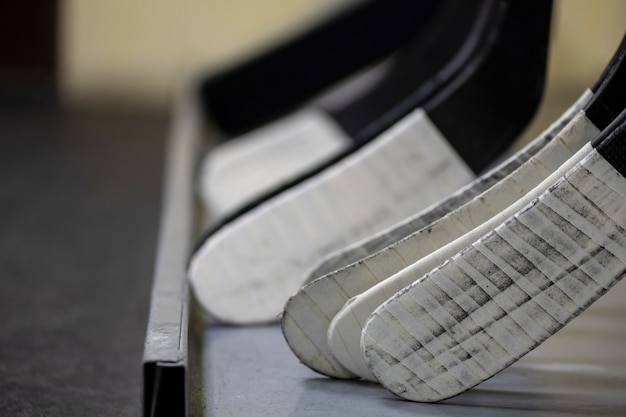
<point x="79" y="210"/>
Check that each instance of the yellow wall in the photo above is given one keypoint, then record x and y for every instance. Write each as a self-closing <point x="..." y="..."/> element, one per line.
<point x="137" y="51"/>
<point x="585" y="35"/>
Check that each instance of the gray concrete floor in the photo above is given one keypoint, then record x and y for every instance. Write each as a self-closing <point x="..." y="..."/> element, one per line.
<point x="79" y="207"/>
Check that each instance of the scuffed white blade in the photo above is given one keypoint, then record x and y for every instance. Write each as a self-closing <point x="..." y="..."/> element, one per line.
<point x="436" y="243"/>
<point x="247" y="270"/>
<point x="308" y="335"/>
<point x="507" y="292"/>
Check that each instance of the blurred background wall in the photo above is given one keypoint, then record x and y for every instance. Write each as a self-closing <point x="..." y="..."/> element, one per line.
<point x="134" y="53"/>
<point x="138" y="50"/>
